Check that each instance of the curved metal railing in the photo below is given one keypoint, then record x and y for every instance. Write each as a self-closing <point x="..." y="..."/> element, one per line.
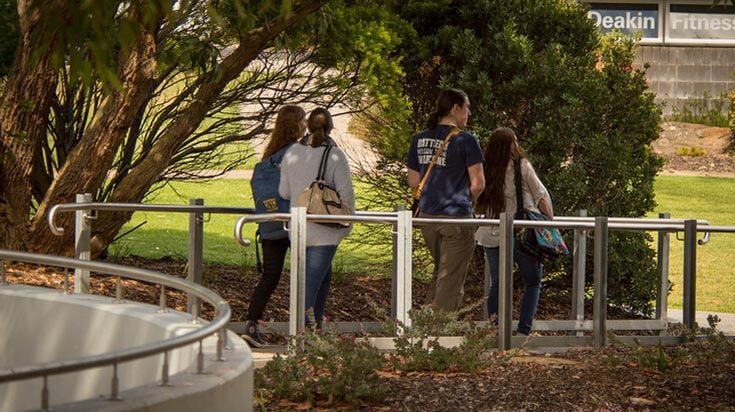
<point x="216" y="325"/>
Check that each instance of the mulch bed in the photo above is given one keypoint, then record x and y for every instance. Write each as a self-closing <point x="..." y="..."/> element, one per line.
<point x="721" y="165"/>
<point x="575" y="380"/>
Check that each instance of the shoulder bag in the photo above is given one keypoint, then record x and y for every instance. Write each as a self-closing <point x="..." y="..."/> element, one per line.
<point x="420" y="188"/>
<point x="321" y="199"/>
<point x="538" y="242"/>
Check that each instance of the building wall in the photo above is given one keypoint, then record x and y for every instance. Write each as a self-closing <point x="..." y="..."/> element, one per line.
<point x="678" y="74"/>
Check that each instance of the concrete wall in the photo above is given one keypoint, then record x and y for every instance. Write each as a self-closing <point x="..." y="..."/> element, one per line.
<point x="39" y="325"/>
<point x="679" y="74"/>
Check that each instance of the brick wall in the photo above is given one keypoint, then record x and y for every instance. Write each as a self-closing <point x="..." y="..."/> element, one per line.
<point x="678" y="74"/>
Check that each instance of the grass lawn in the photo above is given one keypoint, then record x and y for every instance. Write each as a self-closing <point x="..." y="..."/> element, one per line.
<point x="709" y="198"/>
<point x="165" y="234"/>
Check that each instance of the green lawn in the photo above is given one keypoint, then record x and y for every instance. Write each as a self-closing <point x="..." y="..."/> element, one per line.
<point x="165" y="234"/>
<point x="711" y="199"/>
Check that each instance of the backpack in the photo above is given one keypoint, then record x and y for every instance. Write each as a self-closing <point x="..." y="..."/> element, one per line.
<point x="264" y="184"/>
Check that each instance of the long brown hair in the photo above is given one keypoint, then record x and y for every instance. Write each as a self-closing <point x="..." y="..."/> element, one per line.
<point x="501" y="148"/>
<point x="287" y="129"/>
<point x="320" y="124"/>
<point x="444" y="104"/>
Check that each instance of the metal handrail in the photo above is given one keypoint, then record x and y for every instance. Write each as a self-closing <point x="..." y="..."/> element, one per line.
<point x="377" y="217"/>
<point x="140" y="207"/>
<point x="222" y="316"/>
<point x="135" y="207"/>
<point x="561" y="222"/>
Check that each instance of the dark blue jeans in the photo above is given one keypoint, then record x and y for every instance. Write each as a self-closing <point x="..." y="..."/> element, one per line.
<point x="318" y="280"/>
<point x="532" y="270"/>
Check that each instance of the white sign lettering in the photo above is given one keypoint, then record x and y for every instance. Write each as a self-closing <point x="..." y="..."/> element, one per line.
<point x="628" y="21"/>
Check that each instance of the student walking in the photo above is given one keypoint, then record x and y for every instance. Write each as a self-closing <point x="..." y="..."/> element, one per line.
<point x="504" y="157"/>
<point x="445" y="165"/>
<point x="299" y="169"/>
<point x="290" y="126"/>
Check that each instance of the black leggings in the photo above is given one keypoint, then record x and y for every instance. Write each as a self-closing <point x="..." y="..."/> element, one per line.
<point x="274" y="254"/>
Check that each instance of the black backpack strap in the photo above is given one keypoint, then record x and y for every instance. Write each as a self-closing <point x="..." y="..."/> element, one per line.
<point x="519" y="185"/>
<point x="323" y="164"/>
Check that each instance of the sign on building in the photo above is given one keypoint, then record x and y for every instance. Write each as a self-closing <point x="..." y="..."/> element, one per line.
<point x="667" y="21"/>
<point x="631" y="19"/>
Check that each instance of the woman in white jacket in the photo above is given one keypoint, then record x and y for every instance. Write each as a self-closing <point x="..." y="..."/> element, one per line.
<point x="501" y="154"/>
<point x="299" y="169"/>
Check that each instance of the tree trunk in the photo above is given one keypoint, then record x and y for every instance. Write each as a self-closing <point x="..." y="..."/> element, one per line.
<point x="24" y="108"/>
<point x="137" y="183"/>
<point x="88" y="163"/>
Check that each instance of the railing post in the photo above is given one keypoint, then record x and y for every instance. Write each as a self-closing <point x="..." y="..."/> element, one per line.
<point x="690" y="274"/>
<point x="45" y="395"/>
<point x="3" y="279"/>
<point x="505" y="283"/>
<point x="404" y="266"/>
<point x="115" y="384"/>
<point x="82" y="248"/>
<point x="298" y="271"/>
<point x="579" y="272"/>
<point x="394" y="278"/>
<point x="486" y="286"/>
<point x="599" y="314"/>
<point x="196" y="241"/>
<point x="662" y="268"/>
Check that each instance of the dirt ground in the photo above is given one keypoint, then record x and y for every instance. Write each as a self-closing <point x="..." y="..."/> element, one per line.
<point x="696" y="378"/>
<point x="713" y="146"/>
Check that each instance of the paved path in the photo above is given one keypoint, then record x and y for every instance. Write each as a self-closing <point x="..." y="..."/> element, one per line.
<point x="726" y="325"/>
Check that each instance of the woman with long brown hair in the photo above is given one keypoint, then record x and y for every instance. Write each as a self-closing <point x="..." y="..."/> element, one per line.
<point x="502" y="154"/>
<point x="289" y="127"/>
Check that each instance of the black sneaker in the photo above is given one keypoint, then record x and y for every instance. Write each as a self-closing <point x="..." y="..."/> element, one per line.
<point x="252" y="335"/>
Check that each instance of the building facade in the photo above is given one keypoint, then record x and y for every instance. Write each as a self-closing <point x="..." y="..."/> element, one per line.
<point x="689" y="45"/>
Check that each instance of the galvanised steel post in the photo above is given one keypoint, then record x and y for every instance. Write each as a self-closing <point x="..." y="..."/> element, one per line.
<point x="690" y="273"/>
<point x="505" y="283"/>
<point x="82" y="246"/>
<point x="579" y="272"/>
<point x="394" y="278"/>
<point x="662" y="268"/>
<point x="196" y="251"/>
<point x="599" y="313"/>
<point x="404" y="266"/>
<point x="298" y="271"/>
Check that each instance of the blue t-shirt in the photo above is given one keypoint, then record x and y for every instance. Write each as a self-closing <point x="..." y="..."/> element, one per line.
<point x="447" y="190"/>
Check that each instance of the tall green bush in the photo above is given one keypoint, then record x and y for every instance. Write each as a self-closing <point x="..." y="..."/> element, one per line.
<point x="580" y="106"/>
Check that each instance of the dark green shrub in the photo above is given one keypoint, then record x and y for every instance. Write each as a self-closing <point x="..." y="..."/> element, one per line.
<point x="580" y="106"/>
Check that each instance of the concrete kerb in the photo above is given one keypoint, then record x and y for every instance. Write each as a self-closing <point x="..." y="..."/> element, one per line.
<point x="261" y="356"/>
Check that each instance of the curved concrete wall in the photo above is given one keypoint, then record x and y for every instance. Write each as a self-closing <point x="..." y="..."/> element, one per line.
<point x="40" y="325"/>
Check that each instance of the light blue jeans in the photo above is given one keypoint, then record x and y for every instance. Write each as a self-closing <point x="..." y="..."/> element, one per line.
<point x="318" y="280"/>
<point x="532" y="271"/>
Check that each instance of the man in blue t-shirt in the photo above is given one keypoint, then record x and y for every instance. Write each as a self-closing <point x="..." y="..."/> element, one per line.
<point x="455" y="180"/>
